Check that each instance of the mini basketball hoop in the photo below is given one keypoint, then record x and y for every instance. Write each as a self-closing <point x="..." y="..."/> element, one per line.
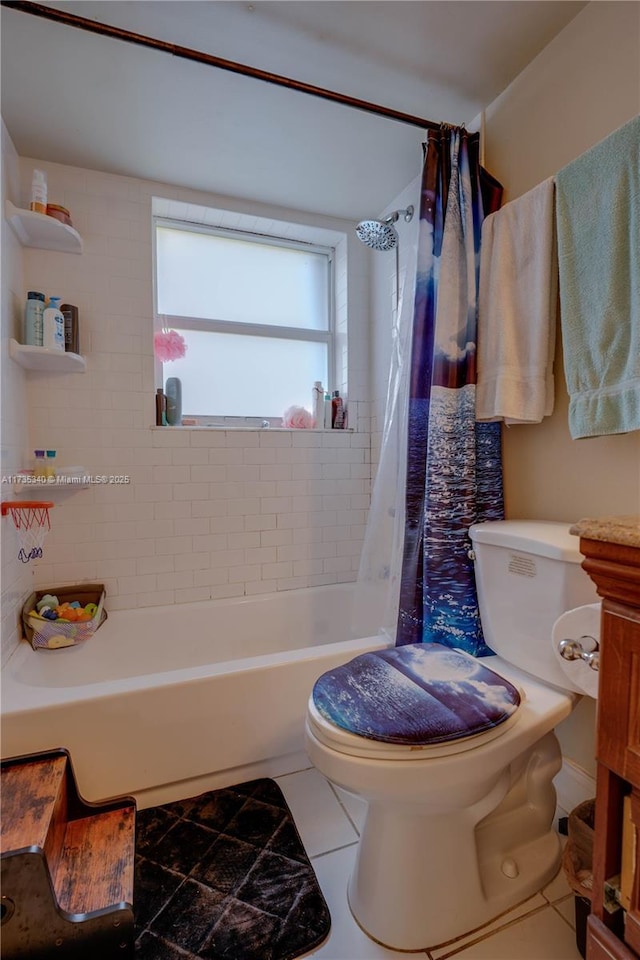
<point x="32" y="523"/>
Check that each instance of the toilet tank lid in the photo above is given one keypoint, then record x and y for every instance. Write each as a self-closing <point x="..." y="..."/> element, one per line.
<point x="544" y="538"/>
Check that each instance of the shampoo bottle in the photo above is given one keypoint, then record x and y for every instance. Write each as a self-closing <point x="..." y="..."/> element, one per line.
<point x="337" y="411"/>
<point x="53" y="325"/>
<point x="161" y="408"/>
<point x="71" y="328"/>
<point x="33" y="318"/>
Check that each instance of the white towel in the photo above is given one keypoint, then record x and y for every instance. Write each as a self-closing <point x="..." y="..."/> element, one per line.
<point x="517" y="310"/>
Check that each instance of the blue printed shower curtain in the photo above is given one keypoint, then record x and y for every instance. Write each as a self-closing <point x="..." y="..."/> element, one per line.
<point x="454" y="466"/>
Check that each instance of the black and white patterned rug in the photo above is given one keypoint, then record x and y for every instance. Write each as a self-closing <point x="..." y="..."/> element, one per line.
<point x="224" y="876"/>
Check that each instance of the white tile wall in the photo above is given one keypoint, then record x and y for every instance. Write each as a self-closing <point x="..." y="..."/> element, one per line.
<point x="16" y="576"/>
<point x="207" y="513"/>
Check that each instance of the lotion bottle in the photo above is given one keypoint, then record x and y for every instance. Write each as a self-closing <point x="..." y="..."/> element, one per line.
<point x="327" y="411"/>
<point x="53" y="326"/>
<point x="38" y="192"/>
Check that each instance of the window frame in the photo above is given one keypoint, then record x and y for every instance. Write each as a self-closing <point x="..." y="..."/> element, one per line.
<point x="272" y="331"/>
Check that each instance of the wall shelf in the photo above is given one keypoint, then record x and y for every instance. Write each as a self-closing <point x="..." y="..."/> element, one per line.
<point x="38" y="230"/>
<point x="44" y="358"/>
<point x="44" y="489"/>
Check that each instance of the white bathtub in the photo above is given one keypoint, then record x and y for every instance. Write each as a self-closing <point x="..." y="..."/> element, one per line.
<point x="213" y="692"/>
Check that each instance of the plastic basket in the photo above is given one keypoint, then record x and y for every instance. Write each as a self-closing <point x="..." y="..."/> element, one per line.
<point x="51" y="634"/>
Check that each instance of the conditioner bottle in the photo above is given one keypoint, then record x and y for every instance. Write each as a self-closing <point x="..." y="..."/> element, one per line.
<point x="53" y="326"/>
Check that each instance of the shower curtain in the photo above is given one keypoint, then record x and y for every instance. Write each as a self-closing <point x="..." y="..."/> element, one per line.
<point x="454" y="465"/>
<point x="416" y="580"/>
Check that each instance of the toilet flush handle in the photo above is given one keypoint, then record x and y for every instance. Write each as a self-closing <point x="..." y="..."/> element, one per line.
<point x="586" y="648"/>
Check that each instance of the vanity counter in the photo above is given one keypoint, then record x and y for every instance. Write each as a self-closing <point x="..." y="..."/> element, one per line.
<point x="621" y="530"/>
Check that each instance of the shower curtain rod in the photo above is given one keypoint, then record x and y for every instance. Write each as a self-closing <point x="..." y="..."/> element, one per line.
<point x="198" y="56"/>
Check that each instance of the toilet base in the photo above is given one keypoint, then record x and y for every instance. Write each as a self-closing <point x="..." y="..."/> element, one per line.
<point x="423" y="878"/>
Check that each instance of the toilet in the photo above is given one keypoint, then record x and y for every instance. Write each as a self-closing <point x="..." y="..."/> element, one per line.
<point x="455" y="756"/>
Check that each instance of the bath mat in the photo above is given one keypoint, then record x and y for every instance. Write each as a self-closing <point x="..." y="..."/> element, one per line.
<point x="224" y="876"/>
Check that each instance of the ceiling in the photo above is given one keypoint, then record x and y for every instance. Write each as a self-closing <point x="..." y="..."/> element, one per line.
<point x="85" y="100"/>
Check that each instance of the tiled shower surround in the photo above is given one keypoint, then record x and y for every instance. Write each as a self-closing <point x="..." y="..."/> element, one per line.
<point x="205" y="513"/>
<point x="213" y="513"/>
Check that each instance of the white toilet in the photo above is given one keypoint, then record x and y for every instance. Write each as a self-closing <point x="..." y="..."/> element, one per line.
<point x="458" y="826"/>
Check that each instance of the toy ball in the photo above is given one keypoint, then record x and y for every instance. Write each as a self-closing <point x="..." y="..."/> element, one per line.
<point x="47" y="601"/>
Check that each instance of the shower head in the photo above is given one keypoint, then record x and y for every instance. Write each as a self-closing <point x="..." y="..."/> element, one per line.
<point x="381" y="234"/>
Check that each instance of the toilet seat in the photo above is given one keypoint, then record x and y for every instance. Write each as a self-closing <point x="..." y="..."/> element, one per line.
<point x="411" y="700"/>
<point x="353" y="745"/>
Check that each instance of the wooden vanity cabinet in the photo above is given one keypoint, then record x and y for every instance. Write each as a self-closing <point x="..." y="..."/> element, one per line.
<point x="615" y="569"/>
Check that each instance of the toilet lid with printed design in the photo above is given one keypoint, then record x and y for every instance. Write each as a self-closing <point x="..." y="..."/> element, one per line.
<point x="417" y="694"/>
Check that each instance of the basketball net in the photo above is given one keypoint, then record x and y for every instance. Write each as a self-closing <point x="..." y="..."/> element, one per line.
<point x="32" y="522"/>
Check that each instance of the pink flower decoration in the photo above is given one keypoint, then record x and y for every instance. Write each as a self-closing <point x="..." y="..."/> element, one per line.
<point x="169" y="345"/>
<point x="298" y="418"/>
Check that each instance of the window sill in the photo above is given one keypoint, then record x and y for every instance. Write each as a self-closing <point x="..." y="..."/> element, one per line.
<point x="236" y="429"/>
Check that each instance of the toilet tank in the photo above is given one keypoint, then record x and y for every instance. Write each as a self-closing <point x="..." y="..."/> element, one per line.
<point x="527" y="574"/>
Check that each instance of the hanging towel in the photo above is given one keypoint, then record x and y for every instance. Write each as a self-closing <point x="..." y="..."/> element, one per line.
<point x="517" y="310"/>
<point x="598" y="221"/>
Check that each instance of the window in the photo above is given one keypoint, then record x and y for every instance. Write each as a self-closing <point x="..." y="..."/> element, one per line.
<point x="255" y="313"/>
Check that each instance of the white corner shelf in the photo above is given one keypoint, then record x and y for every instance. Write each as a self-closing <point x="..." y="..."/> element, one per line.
<point x="44" y="489"/>
<point x="41" y="231"/>
<point x="44" y="358"/>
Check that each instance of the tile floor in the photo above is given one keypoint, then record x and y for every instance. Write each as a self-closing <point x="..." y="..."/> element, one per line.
<point x="328" y="822"/>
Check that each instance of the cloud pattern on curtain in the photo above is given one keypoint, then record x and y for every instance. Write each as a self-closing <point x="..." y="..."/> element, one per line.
<point x="454" y="465"/>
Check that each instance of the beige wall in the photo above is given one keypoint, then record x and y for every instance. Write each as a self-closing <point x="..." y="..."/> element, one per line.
<point x="583" y="85"/>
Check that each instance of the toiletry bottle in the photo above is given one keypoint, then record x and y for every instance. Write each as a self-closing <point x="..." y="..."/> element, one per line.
<point x="71" y="328"/>
<point x="53" y="325"/>
<point x="317" y="405"/>
<point x="337" y="411"/>
<point x="327" y="411"/>
<point x="33" y="318"/>
<point x="38" y="192"/>
<point x="173" y="393"/>
<point x="39" y="464"/>
<point x="50" y="465"/>
<point x="161" y="408"/>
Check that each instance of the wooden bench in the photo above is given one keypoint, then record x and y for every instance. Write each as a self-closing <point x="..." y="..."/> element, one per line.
<point x="67" y="865"/>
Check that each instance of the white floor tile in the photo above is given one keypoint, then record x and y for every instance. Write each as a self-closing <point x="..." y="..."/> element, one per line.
<point x="529" y="906"/>
<point x="346" y="940"/>
<point x="542" y="936"/>
<point x="355" y="807"/>
<point x="321" y="821"/>
<point x="558" y="889"/>
<point x="567" y="909"/>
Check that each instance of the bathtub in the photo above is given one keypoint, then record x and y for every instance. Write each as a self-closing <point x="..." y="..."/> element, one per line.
<point x="164" y="702"/>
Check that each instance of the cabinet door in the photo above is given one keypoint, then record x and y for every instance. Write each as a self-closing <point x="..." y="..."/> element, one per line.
<point x="632" y="921"/>
<point x="602" y="944"/>
<point x="618" y="739"/>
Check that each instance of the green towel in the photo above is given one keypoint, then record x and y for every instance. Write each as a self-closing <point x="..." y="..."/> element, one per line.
<point x="598" y="222"/>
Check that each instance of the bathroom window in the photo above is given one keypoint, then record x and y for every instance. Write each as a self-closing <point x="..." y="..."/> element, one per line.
<point x="255" y="312"/>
